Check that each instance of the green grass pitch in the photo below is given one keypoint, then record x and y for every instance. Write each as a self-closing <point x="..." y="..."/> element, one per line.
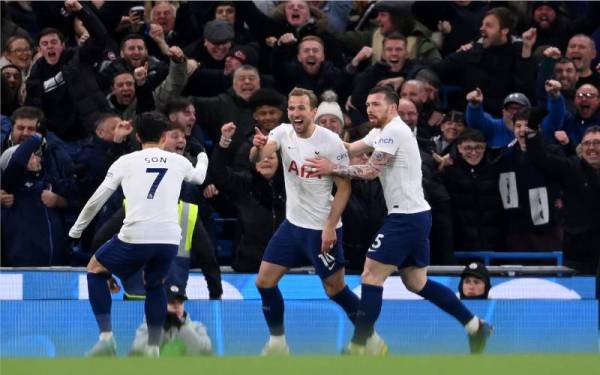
<point x="559" y="364"/>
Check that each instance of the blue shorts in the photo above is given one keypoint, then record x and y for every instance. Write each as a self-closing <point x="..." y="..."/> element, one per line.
<point x="403" y="240"/>
<point x="124" y="259"/>
<point x="293" y="246"/>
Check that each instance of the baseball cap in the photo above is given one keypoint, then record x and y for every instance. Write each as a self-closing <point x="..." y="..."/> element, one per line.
<point x="246" y="54"/>
<point x="176" y="292"/>
<point x="518" y="98"/>
<point x="218" y="31"/>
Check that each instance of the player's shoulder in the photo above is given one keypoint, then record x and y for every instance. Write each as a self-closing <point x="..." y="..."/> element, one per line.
<point x="327" y="135"/>
<point x="397" y="127"/>
<point x="282" y="128"/>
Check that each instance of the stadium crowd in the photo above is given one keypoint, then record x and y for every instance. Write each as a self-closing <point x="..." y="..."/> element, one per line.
<point x="472" y="76"/>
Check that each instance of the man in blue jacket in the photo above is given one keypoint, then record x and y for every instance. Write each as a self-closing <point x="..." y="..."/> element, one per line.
<point x="499" y="131"/>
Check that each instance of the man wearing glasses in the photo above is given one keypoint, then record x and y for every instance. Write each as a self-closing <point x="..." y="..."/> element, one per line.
<point x="586" y="113"/>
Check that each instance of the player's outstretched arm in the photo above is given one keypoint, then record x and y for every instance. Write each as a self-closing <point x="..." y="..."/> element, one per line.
<point x="357" y="147"/>
<point x="369" y="171"/>
<point x="89" y="211"/>
<point x="198" y="174"/>
<point x="261" y="146"/>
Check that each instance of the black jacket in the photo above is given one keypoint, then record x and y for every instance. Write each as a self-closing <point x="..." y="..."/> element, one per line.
<point x="497" y="71"/>
<point x="68" y="92"/>
<point x="478" y="213"/>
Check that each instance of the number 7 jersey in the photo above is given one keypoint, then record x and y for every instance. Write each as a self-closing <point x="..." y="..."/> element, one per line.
<point x="151" y="181"/>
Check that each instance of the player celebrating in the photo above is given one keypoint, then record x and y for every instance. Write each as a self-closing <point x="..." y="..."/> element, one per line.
<point x="311" y="232"/>
<point x="151" y="181"/>
<point x="403" y="240"/>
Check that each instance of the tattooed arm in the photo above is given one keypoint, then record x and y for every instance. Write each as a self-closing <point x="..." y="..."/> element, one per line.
<point x="368" y="171"/>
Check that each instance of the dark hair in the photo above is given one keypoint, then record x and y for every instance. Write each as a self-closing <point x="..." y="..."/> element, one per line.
<point x="130" y="37"/>
<point x="150" y="126"/>
<point x="522" y="114"/>
<point x="470" y="135"/>
<point x="391" y="96"/>
<point x="10" y="66"/>
<point x="48" y="31"/>
<point x="564" y="60"/>
<point x="268" y="97"/>
<point x="177" y="104"/>
<point x="299" y="91"/>
<point x="27" y="112"/>
<point x="504" y="16"/>
<point x="454" y="116"/>
<point x="394" y="36"/>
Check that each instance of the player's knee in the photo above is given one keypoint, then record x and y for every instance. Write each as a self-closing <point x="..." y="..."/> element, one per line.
<point x="371" y="278"/>
<point x="333" y="287"/>
<point x="94" y="266"/>
<point x="414" y="284"/>
<point x="264" y="282"/>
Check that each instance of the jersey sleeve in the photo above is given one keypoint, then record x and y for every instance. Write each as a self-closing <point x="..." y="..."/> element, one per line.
<point x="388" y="140"/>
<point x="115" y="175"/>
<point x="369" y="139"/>
<point x="339" y="152"/>
<point x="276" y="135"/>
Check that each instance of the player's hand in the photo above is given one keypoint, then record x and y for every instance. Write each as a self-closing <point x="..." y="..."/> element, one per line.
<point x="259" y="140"/>
<point x="328" y="239"/>
<point x="6" y="199"/>
<point x="228" y="130"/>
<point x="475" y="97"/>
<point x="319" y="167"/>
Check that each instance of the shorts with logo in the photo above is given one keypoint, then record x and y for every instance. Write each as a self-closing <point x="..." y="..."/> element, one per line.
<point x="125" y="259"/>
<point x="403" y="240"/>
<point x="293" y="246"/>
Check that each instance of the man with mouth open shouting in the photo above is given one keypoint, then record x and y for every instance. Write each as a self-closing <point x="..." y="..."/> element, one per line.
<point x="403" y="240"/>
<point x="311" y="232"/>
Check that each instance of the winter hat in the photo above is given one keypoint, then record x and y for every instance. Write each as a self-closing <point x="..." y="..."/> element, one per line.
<point x="329" y="106"/>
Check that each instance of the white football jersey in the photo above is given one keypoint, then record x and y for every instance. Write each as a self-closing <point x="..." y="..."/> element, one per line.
<point x="151" y="181"/>
<point x="402" y="178"/>
<point x="308" y="197"/>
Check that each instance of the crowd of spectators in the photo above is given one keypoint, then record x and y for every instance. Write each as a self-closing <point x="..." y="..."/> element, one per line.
<point x="503" y="98"/>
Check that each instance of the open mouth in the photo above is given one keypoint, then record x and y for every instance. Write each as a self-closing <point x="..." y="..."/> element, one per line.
<point x="180" y="149"/>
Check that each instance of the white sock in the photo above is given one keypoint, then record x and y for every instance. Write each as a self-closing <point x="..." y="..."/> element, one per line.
<point x="472" y="326"/>
<point x="277" y="340"/>
<point x="105" y="336"/>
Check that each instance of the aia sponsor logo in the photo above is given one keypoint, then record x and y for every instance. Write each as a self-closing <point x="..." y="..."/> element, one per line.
<point x="303" y="171"/>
